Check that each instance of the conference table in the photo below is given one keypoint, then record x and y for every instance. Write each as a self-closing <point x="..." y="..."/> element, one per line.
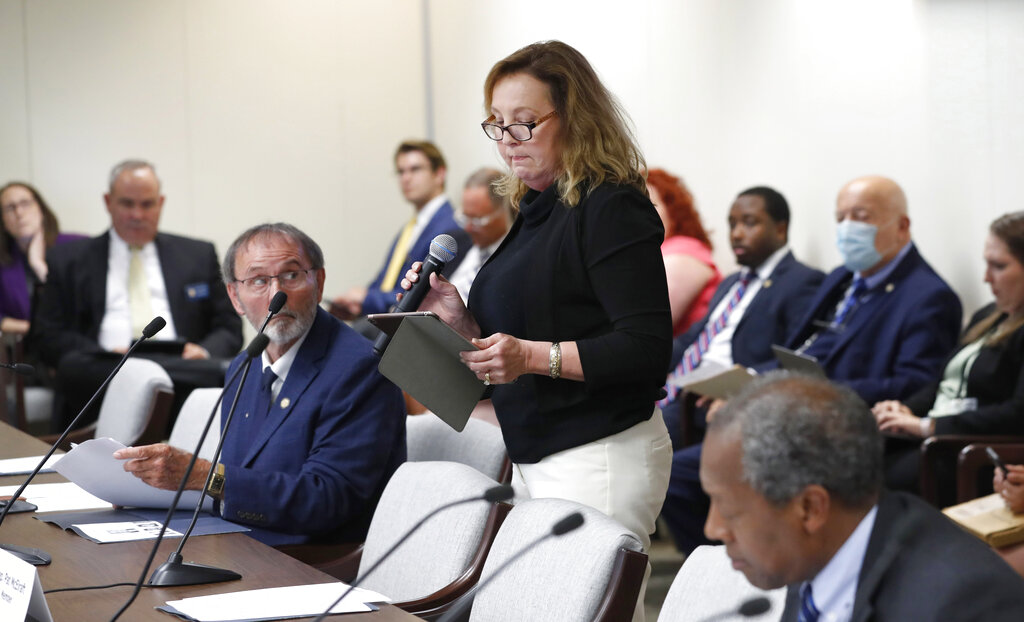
<point x="81" y="562"/>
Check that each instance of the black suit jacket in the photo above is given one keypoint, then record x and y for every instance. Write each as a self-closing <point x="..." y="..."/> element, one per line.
<point x="73" y="301"/>
<point x="920" y="566"/>
<point x="996" y="380"/>
<point x="771" y="316"/>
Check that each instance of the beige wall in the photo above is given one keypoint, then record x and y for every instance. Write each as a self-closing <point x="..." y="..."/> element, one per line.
<point x="261" y="110"/>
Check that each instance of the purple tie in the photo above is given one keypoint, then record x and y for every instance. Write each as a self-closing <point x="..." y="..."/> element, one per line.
<point x="694" y="353"/>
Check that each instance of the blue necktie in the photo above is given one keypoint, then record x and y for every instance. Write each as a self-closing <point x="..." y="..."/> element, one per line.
<point x="859" y="287"/>
<point x="808" y="611"/>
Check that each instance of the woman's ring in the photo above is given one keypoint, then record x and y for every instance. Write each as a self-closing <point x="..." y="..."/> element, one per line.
<point x="487" y="378"/>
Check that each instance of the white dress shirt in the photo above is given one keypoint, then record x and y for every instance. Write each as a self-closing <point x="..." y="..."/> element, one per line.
<point x="116" y="326"/>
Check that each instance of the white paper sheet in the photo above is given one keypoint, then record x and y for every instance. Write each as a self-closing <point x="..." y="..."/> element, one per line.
<point x="92" y="466"/>
<point x="125" y="532"/>
<point x="61" y="497"/>
<point x="276" y="603"/>
<point x="24" y="466"/>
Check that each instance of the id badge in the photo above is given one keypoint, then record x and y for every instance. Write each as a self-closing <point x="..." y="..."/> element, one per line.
<point x="963" y="404"/>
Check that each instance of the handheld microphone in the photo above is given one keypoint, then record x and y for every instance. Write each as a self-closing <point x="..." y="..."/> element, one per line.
<point x="34" y="556"/>
<point x="443" y="249"/>
<point x="174" y="571"/>
<point x="563" y="526"/>
<point x="748" y="609"/>
<point x="503" y="492"/>
<point x="19" y="368"/>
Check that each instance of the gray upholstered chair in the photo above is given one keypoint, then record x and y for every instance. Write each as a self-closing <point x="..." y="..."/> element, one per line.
<point x="191" y="420"/>
<point x="593" y="573"/>
<point x="479" y="445"/>
<point x="441" y="560"/>
<point x="707" y="587"/>
<point x="135" y="408"/>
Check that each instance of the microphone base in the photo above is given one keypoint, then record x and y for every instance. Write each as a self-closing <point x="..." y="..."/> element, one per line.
<point x="36" y="557"/>
<point x="19" y="506"/>
<point x="177" y="572"/>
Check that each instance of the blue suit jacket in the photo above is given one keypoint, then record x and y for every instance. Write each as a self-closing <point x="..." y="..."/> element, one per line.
<point x="328" y="447"/>
<point x="897" y="340"/>
<point x="377" y="301"/>
<point x="771" y="316"/>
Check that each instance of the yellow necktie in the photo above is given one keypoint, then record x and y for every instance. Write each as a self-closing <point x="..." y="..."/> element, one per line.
<point x="398" y="257"/>
<point x="140" y="305"/>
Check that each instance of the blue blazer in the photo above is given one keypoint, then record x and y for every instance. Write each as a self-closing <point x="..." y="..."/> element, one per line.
<point x="771" y="316"/>
<point x="377" y="301"/>
<point x="327" y="448"/>
<point x="899" y="337"/>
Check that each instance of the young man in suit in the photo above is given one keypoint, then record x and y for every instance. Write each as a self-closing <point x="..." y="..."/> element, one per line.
<point x="421" y="172"/>
<point x="101" y="292"/>
<point x="794" y="470"/>
<point x="317" y="431"/>
<point x="752" y="309"/>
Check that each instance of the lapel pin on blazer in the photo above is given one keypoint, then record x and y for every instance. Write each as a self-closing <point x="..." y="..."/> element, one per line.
<point x="767" y="283"/>
<point x="889" y="287"/>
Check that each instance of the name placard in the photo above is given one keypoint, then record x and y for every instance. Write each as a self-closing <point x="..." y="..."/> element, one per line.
<point x="20" y="593"/>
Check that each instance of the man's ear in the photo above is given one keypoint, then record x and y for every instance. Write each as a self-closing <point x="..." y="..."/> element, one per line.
<point x="233" y="295"/>
<point x="814" y="505"/>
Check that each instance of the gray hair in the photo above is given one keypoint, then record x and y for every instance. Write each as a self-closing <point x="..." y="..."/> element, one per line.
<point x="128" y="166"/>
<point x="797" y="430"/>
<point x="489" y="178"/>
<point x="309" y="247"/>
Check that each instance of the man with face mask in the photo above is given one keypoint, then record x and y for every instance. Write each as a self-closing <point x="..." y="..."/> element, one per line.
<point x="883" y="322"/>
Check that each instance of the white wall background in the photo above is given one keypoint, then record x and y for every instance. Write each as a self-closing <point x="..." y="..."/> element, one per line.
<point x="260" y="110"/>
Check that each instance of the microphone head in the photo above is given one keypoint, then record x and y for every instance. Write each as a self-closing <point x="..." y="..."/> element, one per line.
<point x="755" y="606"/>
<point x="503" y="492"/>
<point x="23" y="369"/>
<point x="444" y="248"/>
<point x="256" y="347"/>
<point x="277" y="302"/>
<point x="567" y="524"/>
<point x="154" y="327"/>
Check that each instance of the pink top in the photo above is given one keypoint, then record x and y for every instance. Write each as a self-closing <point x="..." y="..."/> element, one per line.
<point x="685" y="245"/>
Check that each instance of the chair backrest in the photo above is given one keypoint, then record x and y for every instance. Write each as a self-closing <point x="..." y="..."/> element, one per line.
<point x="479" y="445"/>
<point x="191" y="420"/>
<point x="444" y="548"/>
<point x="593" y="573"/>
<point x="707" y="585"/>
<point x="137" y="399"/>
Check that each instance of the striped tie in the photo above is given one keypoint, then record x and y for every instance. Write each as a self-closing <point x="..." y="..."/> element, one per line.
<point x="859" y="287"/>
<point x="694" y="353"/>
<point x="808" y="611"/>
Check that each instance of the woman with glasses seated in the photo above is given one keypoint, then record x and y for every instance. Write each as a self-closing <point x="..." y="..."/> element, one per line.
<point x="30" y="228"/>
<point x="692" y="274"/>
<point x="571" y="314"/>
<point x="981" y="389"/>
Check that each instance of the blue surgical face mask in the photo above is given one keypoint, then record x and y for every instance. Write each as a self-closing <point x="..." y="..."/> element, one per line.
<point x="856" y="243"/>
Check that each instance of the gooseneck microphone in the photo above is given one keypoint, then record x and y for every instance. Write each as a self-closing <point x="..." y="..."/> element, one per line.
<point x="276" y="304"/>
<point x="19" y="368"/>
<point x="35" y="556"/>
<point x="443" y="249"/>
<point x="174" y="571"/>
<point x="563" y="526"/>
<point x="503" y="492"/>
<point x="747" y="609"/>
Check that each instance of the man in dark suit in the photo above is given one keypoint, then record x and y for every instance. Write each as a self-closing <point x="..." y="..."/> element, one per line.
<point x="102" y="291"/>
<point x="316" y="438"/>
<point x="883" y="322"/>
<point x="751" y="310"/>
<point x="794" y="470"/>
<point x="421" y="171"/>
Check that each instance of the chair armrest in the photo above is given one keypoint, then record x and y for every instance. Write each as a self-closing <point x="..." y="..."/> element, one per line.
<point x="623" y="587"/>
<point x="341" y="561"/>
<point x="973" y="458"/>
<point x="945" y="448"/>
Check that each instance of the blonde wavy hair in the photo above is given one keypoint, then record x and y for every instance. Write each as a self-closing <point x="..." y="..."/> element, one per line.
<point x="596" y="140"/>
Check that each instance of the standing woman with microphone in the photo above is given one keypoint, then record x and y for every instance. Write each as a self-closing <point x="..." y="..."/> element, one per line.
<point x="571" y="313"/>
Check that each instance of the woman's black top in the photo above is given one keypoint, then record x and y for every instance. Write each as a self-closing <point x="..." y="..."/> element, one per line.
<point x="592" y="274"/>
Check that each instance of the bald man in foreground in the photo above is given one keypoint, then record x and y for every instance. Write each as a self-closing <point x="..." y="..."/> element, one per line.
<point x="793" y="466"/>
<point x="883" y="322"/>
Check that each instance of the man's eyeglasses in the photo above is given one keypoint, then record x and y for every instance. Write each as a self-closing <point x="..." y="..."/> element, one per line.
<point x="292" y="279"/>
<point x="10" y="208"/>
<point x="519" y="131"/>
<point x="477" y="221"/>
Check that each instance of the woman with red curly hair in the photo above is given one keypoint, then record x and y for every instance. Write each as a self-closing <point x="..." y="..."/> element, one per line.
<point x="692" y="275"/>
